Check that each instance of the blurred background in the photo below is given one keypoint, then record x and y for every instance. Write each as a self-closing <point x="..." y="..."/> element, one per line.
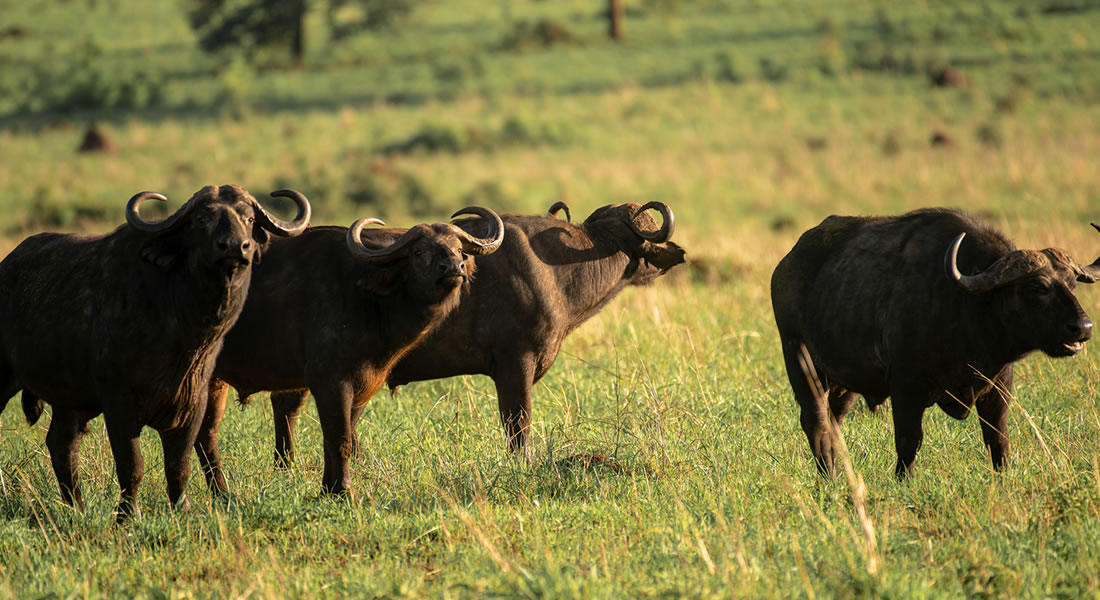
<point x="754" y="119"/>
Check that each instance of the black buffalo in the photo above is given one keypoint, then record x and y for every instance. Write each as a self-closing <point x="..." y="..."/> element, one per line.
<point x="129" y="324"/>
<point x="328" y="313"/>
<point x="547" y="278"/>
<point x="930" y="307"/>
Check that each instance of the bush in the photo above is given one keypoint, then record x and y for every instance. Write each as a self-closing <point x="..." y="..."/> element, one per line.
<point x="88" y="84"/>
<point x="385" y="191"/>
<point x="515" y="131"/>
<point x="431" y="139"/>
<point x="491" y="194"/>
<point x="989" y="134"/>
<point x="772" y="71"/>
<point x="540" y="34"/>
<point x="53" y="210"/>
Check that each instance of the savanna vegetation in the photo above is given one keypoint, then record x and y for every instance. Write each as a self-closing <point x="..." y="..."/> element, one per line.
<point x="667" y="458"/>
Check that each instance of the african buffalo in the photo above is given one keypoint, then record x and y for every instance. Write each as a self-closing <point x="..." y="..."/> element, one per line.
<point x="129" y="324"/>
<point x="328" y="313"/>
<point x="548" y="278"/>
<point x="930" y="307"/>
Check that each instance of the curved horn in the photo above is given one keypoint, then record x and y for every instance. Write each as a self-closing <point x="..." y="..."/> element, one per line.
<point x="133" y="216"/>
<point x="283" y="228"/>
<point x="559" y="205"/>
<point x="1091" y="273"/>
<point x="1008" y="268"/>
<point x="975" y="284"/>
<point x="480" y="246"/>
<point x="667" y="227"/>
<point x="355" y="244"/>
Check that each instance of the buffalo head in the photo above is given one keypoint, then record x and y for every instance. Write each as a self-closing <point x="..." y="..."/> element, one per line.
<point x="435" y="259"/>
<point x="1033" y="294"/>
<point x="630" y="227"/>
<point x="219" y="228"/>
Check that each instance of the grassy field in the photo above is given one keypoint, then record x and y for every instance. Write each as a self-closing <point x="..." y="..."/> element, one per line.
<point x="667" y="458"/>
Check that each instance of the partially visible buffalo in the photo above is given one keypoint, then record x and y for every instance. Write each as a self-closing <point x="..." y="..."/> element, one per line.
<point x="129" y="324"/>
<point x="930" y="307"/>
<point x="547" y="278"/>
<point x="332" y="311"/>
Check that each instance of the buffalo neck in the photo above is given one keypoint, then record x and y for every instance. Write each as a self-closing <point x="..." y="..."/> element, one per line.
<point x="986" y="343"/>
<point x="593" y="280"/>
<point x="184" y="312"/>
<point x="192" y="301"/>
<point x="402" y="320"/>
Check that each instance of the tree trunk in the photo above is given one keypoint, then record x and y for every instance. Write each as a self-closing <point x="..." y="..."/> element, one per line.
<point x="298" y="41"/>
<point x="615" y="19"/>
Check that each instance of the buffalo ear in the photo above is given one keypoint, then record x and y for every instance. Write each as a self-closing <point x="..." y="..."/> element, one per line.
<point x="262" y="239"/>
<point x="663" y="256"/>
<point x="161" y="254"/>
<point x="380" y="282"/>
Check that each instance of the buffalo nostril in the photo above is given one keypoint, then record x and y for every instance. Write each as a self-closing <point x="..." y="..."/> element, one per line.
<point x="223" y="245"/>
<point x="245" y="245"/>
<point x="1081" y="330"/>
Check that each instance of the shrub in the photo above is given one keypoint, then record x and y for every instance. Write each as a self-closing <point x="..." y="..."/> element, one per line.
<point x="385" y="191"/>
<point x="540" y="34"/>
<point x="515" y="131"/>
<point x="989" y="134"/>
<point x="431" y="139"/>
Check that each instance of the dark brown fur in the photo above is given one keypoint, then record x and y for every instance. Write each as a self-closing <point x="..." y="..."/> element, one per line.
<point x="320" y="318"/>
<point x="547" y="278"/>
<point x="128" y="325"/>
<point x="870" y="300"/>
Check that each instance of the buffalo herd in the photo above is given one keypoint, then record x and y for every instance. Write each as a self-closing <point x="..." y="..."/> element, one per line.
<point x="151" y="324"/>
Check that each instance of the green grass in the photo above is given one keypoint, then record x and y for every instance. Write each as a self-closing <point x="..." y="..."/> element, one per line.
<point x="455" y="49"/>
<point x="707" y="488"/>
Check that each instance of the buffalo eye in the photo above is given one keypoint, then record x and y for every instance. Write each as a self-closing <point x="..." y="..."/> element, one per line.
<point x="250" y="220"/>
<point x="418" y="253"/>
<point x="1038" y="289"/>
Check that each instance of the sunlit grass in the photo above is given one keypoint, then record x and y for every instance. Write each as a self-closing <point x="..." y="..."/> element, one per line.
<point x="667" y="457"/>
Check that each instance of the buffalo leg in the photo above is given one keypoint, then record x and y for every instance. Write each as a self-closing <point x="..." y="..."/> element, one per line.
<point x="125" y="437"/>
<point x="206" y="443"/>
<point x="9" y="387"/>
<point x="513" y="384"/>
<point x="177" y="444"/>
<point x="32" y="407"/>
<point x="908" y="434"/>
<point x="286" y="407"/>
<point x="334" y="403"/>
<point x="67" y="429"/>
<point x="873" y="402"/>
<point x="840" y="402"/>
<point x="815" y="416"/>
<point x="356" y="414"/>
<point x="993" y="415"/>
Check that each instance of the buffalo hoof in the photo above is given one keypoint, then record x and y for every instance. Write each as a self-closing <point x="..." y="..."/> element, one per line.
<point x="183" y="505"/>
<point x="342" y="493"/>
<point x="284" y="462"/>
<point x="222" y="498"/>
<point x="127" y="512"/>
<point x="903" y="473"/>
